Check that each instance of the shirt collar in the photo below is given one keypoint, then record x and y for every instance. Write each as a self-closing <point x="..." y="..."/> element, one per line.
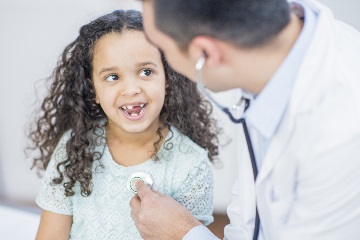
<point x="271" y="103"/>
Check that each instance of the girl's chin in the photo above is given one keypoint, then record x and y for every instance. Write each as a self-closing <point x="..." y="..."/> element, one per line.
<point x="135" y="129"/>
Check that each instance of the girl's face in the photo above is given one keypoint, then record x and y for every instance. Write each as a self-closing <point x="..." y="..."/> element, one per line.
<point x="129" y="81"/>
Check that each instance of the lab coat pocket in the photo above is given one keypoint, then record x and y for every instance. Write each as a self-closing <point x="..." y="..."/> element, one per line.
<point x="281" y="189"/>
<point x="281" y="208"/>
<point x="280" y="205"/>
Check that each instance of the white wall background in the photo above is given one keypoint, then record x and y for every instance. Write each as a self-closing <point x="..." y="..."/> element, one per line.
<point x="32" y="35"/>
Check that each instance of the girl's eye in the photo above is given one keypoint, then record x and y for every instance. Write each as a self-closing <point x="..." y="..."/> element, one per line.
<point x="146" y="72"/>
<point x="112" y="78"/>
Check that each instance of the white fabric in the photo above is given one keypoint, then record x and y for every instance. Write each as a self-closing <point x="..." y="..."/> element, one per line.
<point x="202" y="231"/>
<point x="183" y="172"/>
<point x="308" y="186"/>
<point x="17" y="223"/>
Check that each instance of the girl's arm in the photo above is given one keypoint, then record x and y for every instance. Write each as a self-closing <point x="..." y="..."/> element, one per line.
<point x="54" y="226"/>
<point x="56" y="220"/>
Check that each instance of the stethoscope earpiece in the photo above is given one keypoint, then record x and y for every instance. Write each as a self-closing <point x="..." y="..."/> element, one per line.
<point x="198" y="67"/>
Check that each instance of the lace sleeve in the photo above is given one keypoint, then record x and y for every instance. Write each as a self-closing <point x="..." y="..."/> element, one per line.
<point x="196" y="189"/>
<point x="52" y="196"/>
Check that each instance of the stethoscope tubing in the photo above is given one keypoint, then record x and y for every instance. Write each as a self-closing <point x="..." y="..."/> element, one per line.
<point x="255" y="173"/>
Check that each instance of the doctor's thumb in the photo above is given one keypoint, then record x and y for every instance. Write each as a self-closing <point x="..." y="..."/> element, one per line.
<point x="142" y="189"/>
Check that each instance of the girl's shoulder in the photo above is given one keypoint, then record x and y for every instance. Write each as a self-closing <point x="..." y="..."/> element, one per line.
<point x="66" y="136"/>
<point x="97" y="132"/>
<point x="187" y="164"/>
<point x="180" y="139"/>
<point x="59" y="154"/>
<point x="182" y="146"/>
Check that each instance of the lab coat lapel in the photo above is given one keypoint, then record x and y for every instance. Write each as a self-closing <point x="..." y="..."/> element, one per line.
<point x="308" y="83"/>
<point x="276" y="148"/>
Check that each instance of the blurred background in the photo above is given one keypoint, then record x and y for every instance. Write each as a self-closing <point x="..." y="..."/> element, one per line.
<point x="32" y="36"/>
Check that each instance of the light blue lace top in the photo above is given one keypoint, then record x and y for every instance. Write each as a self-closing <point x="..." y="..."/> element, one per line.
<point x="183" y="172"/>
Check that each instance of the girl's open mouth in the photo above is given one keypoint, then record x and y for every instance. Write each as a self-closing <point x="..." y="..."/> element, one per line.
<point x="134" y="110"/>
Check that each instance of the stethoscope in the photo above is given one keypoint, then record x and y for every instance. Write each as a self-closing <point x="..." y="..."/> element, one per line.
<point x="199" y="65"/>
<point x="146" y="178"/>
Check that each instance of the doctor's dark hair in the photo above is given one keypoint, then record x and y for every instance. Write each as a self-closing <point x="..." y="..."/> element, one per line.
<point x="70" y="105"/>
<point x="244" y="23"/>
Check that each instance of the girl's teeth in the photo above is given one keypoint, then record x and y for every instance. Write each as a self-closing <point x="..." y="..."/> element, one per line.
<point x="131" y="107"/>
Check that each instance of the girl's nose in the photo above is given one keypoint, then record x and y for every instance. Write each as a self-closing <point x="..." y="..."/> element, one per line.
<point x="130" y="88"/>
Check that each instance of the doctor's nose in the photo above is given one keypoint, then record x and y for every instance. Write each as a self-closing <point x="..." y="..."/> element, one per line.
<point x="130" y="88"/>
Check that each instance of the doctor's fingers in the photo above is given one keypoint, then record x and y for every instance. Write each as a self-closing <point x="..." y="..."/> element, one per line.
<point x="152" y="199"/>
<point x="142" y="219"/>
<point x="143" y="190"/>
<point x="135" y="202"/>
<point x="138" y="223"/>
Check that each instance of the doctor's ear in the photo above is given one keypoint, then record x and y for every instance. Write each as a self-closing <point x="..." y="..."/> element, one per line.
<point x="204" y="45"/>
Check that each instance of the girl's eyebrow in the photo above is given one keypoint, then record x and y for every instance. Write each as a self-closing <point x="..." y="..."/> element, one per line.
<point x="142" y="64"/>
<point x="107" y="69"/>
<point x="147" y="63"/>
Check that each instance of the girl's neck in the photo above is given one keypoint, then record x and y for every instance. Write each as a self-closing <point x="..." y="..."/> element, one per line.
<point x="129" y="149"/>
<point x="117" y="135"/>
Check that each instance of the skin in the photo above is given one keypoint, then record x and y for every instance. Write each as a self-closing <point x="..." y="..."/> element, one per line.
<point x="54" y="226"/>
<point x="123" y="77"/>
<point x="127" y="69"/>
<point x="149" y="219"/>
<point x="237" y="68"/>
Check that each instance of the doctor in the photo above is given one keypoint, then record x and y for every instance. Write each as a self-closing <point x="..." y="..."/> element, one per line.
<point x="303" y="69"/>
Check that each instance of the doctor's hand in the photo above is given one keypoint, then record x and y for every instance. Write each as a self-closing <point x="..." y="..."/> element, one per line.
<point x="158" y="216"/>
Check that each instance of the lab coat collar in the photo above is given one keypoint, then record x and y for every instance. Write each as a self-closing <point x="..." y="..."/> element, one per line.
<point x="273" y="100"/>
<point x="305" y="86"/>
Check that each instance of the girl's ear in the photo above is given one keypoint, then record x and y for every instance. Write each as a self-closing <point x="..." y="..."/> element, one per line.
<point x="97" y="100"/>
<point x="204" y="45"/>
<point x="166" y="88"/>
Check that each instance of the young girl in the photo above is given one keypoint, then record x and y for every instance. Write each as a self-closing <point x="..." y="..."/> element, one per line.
<point x="115" y="107"/>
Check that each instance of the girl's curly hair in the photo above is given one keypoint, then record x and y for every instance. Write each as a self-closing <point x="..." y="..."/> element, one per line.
<point x="70" y="105"/>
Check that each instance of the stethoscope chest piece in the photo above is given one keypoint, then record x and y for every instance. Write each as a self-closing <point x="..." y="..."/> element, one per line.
<point x="143" y="176"/>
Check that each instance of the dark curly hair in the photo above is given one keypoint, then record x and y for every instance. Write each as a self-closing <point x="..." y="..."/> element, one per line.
<point x="70" y="105"/>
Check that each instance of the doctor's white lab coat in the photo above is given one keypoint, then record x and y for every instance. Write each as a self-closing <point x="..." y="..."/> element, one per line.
<point x="308" y="186"/>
